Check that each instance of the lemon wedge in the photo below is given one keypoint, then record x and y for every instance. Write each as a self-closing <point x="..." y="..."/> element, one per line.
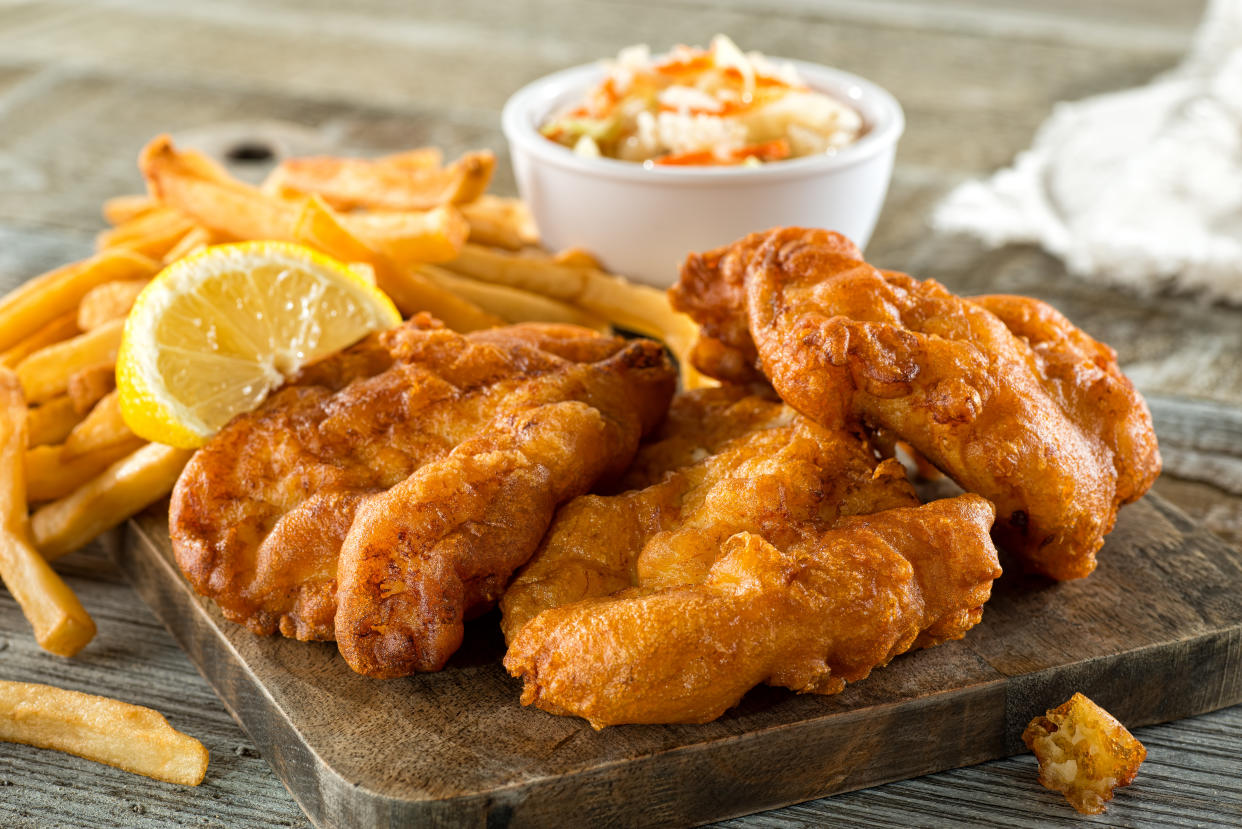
<point x="214" y="333"/>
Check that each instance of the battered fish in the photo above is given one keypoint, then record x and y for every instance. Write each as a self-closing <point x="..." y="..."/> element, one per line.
<point x="388" y="492"/>
<point x="1003" y="394"/>
<point x="759" y="547"/>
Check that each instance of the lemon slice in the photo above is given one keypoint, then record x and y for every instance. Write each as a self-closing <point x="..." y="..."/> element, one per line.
<point x="214" y="333"/>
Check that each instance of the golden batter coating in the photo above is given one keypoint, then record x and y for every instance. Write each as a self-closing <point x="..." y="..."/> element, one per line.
<point x="452" y="452"/>
<point x="760" y="547"/>
<point x="1083" y="753"/>
<point x="1001" y="393"/>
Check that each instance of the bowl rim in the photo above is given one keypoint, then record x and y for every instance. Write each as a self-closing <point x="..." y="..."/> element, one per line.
<point x="534" y="100"/>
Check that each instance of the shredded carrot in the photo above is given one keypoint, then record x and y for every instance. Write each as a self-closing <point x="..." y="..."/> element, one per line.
<point x="733" y="73"/>
<point x="697" y="62"/>
<point x="622" y="103"/>
<point x="767" y="151"/>
<point x="698" y="158"/>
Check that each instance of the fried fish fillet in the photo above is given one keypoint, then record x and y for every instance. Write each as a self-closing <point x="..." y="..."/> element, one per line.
<point x="757" y="547"/>
<point x="1001" y="393"/>
<point x="389" y="491"/>
<point x="1084" y="753"/>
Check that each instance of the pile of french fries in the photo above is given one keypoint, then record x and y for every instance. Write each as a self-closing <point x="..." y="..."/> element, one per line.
<point x="427" y="232"/>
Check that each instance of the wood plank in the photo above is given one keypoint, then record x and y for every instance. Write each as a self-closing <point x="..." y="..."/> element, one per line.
<point x="970" y="110"/>
<point x="397" y="59"/>
<point x="46" y="131"/>
<point x="134" y="659"/>
<point x="1149" y="635"/>
<point x="1113" y="24"/>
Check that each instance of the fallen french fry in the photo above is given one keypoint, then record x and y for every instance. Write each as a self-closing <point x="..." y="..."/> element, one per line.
<point x="107" y="302"/>
<point x="500" y="222"/>
<point x="384" y="184"/>
<point x="105" y="730"/>
<point x="120" y="209"/>
<point x="320" y="227"/>
<point x="513" y="304"/>
<point x="193" y="241"/>
<point x="410" y="237"/>
<point x="60" y="623"/>
<point x="42" y="300"/>
<point x="102" y="428"/>
<point x="638" y="308"/>
<point x="45" y="373"/>
<point x="52" y="472"/>
<point x="61" y="328"/>
<point x="152" y="234"/>
<point x="52" y="421"/>
<point x="124" y="489"/>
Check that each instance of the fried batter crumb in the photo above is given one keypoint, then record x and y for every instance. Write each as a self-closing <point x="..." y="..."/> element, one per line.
<point x="1084" y="753"/>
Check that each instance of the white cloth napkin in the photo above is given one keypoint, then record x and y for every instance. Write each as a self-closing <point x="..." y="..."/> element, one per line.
<point x="1140" y="188"/>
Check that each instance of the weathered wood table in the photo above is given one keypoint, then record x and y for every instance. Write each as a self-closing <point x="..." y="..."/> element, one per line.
<point x="84" y="85"/>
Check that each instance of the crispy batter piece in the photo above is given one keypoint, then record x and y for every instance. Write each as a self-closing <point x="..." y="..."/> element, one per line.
<point x="1083" y="753"/>
<point x="453" y="450"/>
<point x="756" y="547"/>
<point x="1001" y="393"/>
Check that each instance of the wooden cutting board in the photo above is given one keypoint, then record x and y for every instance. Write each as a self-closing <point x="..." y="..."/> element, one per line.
<point x="1155" y="634"/>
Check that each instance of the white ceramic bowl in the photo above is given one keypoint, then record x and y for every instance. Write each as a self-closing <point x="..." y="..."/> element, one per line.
<point x="641" y="222"/>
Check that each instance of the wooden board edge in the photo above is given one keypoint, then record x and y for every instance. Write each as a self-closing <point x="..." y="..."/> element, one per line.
<point x="1135" y="686"/>
<point x="655" y="786"/>
<point x="258" y="715"/>
<point x="708" y="781"/>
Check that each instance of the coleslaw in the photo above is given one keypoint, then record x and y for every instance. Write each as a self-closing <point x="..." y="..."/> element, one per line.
<point x="714" y="106"/>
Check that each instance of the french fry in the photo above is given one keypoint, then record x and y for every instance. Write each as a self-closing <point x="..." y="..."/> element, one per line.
<point x="638" y="308"/>
<point x="46" y="373"/>
<point x="577" y="258"/>
<point x="107" y="302"/>
<point x="45" y="298"/>
<point x="61" y="328"/>
<point x="322" y="228"/>
<point x="513" y="304"/>
<point x="411" y="237"/>
<point x="120" y="209"/>
<point x="124" y="489"/>
<point x="501" y="222"/>
<point x="152" y="234"/>
<point x="52" y="472"/>
<point x="60" y="624"/>
<point x="102" y="428"/>
<point x="52" y="421"/>
<point x="193" y="241"/>
<point x="88" y="386"/>
<point x="419" y="158"/>
<point x="384" y="184"/>
<point x="191" y="183"/>
<point x="235" y="210"/>
<point x="105" y="730"/>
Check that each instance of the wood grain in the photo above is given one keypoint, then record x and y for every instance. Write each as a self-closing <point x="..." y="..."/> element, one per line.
<point x="83" y="85"/>
<point x="1152" y="636"/>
